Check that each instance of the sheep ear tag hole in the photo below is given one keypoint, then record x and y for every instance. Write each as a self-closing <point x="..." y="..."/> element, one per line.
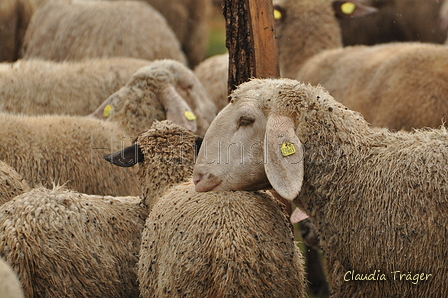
<point x="106" y="111"/>
<point x="287" y="149"/>
<point x="189" y="116"/>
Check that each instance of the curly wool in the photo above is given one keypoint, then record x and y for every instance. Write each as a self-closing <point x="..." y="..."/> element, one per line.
<point x="65" y="244"/>
<point x="206" y="245"/>
<point x="11" y="183"/>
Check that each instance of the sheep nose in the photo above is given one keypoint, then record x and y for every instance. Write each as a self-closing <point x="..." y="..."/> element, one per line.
<point x="197" y="177"/>
<point x="196" y="181"/>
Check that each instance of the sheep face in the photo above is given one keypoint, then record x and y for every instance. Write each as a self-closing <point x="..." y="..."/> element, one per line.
<point x="250" y="145"/>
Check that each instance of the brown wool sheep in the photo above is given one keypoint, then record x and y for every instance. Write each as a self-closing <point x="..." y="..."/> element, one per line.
<point x="9" y="283"/>
<point x="396" y="20"/>
<point x="77" y="30"/>
<point x="66" y="149"/>
<point x="298" y="39"/>
<point x="248" y="256"/>
<point x="65" y="244"/>
<point x="11" y="183"/>
<point x="166" y="89"/>
<point x="36" y="87"/>
<point x="99" y="236"/>
<point x="206" y="245"/>
<point x="14" y="18"/>
<point x="379" y="199"/>
<point x="398" y="85"/>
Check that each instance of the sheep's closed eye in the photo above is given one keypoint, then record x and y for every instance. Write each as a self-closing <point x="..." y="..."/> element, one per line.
<point x="245" y="121"/>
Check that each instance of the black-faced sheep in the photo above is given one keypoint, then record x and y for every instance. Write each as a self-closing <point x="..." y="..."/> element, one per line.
<point x="9" y="283"/>
<point x="11" y="183"/>
<point x="76" y="30"/>
<point x="65" y="244"/>
<point x="37" y="87"/>
<point x="203" y="245"/>
<point x="166" y="89"/>
<point x="379" y="199"/>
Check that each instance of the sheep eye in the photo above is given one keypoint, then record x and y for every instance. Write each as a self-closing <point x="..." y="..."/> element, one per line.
<point x="245" y="121"/>
<point x="279" y="13"/>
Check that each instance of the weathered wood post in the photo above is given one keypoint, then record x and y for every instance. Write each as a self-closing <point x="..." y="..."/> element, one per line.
<point x="250" y="40"/>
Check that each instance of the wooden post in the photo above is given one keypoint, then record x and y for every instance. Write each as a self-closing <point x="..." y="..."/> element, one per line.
<point x="250" y="39"/>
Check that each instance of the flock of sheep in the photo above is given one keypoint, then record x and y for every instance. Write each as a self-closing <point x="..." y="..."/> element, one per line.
<point x="127" y="171"/>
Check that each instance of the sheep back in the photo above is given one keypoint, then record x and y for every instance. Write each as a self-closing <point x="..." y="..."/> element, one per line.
<point x="65" y="244"/>
<point x="36" y="87"/>
<point x="11" y="183"/>
<point x="66" y="149"/>
<point x="96" y="29"/>
<point x="207" y="245"/>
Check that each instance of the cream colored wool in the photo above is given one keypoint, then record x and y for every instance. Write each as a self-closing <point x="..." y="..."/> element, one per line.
<point x="65" y="244"/>
<point x="137" y="104"/>
<point x="379" y="199"/>
<point x="36" y="87"/>
<point x="77" y="30"/>
<point x="229" y="244"/>
<point x="9" y="283"/>
<point x="398" y="85"/>
<point x="11" y="183"/>
<point x="66" y="149"/>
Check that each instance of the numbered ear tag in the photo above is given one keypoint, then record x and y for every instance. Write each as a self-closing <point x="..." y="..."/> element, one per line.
<point x="348" y="7"/>
<point x="107" y="110"/>
<point x="287" y="149"/>
<point x="190" y="116"/>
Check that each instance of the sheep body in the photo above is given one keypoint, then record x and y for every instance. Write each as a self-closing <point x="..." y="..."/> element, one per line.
<point x="379" y="199"/>
<point x="36" y="87"/>
<point x="399" y="86"/>
<point x="65" y="244"/>
<point x="66" y="149"/>
<point x="206" y="245"/>
<point x="97" y="29"/>
<point x="11" y="183"/>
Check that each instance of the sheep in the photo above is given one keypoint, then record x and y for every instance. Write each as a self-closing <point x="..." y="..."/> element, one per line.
<point x="78" y="30"/>
<point x="189" y="20"/>
<point x="66" y="149"/>
<point x="396" y="20"/>
<point x="11" y="183"/>
<point x="378" y="199"/>
<point x="248" y="256"/>
<point x="99" y="236"/>
<point x="37" y="87"/>
<point x="398" y="85"/>
<point x="205" y="245"/>
<point x="166" y="89"/>
<point x="14" y="18"/>
<point x="63" y="243"/>
<point x="317" y="32"/>
<point x="9" y="283"/>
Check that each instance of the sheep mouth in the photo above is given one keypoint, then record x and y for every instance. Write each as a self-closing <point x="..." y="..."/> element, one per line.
<point x="203" y="186"/>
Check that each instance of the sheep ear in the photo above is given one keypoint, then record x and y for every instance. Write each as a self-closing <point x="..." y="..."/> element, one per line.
<point x="177" y="110"/>
<point x="284" y="160"/>
<point x="352" y="9"/>
<point x="127" y="157"/>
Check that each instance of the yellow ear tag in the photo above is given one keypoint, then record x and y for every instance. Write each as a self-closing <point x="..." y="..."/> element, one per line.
<point x="287" y="149"/>
<point x="190" y="116"/>
<point x="277" y="14"/>
<point x="107" y="110"/>
<point x="348" y="7"/>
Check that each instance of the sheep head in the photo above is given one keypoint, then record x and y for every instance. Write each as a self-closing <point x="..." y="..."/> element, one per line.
<point x="252" y="143"/>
